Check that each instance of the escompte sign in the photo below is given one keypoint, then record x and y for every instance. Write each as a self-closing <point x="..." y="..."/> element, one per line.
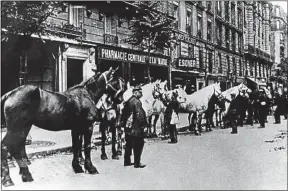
<point x="187" y="63"/>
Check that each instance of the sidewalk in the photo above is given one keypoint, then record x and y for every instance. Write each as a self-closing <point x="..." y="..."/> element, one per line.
<point x="49" y="142"/>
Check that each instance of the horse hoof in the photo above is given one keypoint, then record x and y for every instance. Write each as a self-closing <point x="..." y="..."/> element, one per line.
<point x="104" y="157"/>
<point x="78" y="170"/>
<point x="7" y="183"/>
<point x="27" y="177"/>
<point x="90" y="168"/>
<point x="115" y="157"/>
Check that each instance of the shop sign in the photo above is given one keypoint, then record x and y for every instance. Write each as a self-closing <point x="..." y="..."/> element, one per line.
<point x="106" y="53"/>
<point x="187" y="63"/>
<point x="222" y="78"/>
<point x="184" y="49"/>
<point x="185" y="38"/>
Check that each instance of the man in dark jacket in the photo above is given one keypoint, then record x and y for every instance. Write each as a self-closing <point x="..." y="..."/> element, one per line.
<point x="262" y="107"/>
<point x="279" y="101"/>
<point x="134" y="121"/>
<point x="232" y="114"/>
<point x="172" y="107"/>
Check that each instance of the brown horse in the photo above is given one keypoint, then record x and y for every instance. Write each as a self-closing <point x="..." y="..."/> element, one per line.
<point x="74" y="109"/>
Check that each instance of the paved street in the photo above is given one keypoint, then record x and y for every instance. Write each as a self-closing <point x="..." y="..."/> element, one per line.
<point x="253" y="159"/>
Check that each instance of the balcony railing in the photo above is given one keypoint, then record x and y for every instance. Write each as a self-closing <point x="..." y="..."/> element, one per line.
<point x="65" y="30"/>
<point x="111" y="39"/>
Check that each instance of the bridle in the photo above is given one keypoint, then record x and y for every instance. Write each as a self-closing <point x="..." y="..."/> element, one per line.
<point x="108" y="85"/>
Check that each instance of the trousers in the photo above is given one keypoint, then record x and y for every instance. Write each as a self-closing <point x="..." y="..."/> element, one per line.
<point x="136" y="144"/>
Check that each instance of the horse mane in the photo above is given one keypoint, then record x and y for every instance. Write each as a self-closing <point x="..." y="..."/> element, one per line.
<point x="86" y="82"/>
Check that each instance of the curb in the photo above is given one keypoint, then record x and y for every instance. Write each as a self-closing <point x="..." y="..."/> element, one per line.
<point x="49" y="152"/>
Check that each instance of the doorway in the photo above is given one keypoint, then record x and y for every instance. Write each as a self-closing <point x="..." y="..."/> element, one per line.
<point x="74" y="72"/>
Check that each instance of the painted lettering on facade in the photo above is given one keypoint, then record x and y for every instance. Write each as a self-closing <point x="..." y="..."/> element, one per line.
<point x="130" y="57"/>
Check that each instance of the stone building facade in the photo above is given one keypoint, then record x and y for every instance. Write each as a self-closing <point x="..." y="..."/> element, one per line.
<point x="257" y="41"/>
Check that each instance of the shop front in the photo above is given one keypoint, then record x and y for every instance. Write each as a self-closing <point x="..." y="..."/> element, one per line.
<point x="132" y="64"/>
<point x="186" y="74"/>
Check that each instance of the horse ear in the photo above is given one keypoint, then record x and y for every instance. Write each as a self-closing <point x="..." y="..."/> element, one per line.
<point x="184" y="88"/>
<point x="128" y="84"/>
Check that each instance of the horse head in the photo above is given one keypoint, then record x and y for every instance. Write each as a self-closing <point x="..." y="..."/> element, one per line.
<point x="219" y="98"/>
<point x="181" y="95"/>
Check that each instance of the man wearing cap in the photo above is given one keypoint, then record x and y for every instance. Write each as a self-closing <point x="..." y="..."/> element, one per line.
<point x="134" y="121"/>
<point x="262" y="107"/>
<point x="232" y="114"/>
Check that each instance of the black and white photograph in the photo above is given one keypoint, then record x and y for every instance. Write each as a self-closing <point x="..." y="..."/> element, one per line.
<point x="144" y="95"/>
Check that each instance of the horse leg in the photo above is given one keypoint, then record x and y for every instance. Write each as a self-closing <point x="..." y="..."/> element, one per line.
<point x="119" y="142"/>
<point x="149" y="131"/>
<point x="198" y="125"/>
<point x="154" y="124"/>
<point x="76" y="146"/>
<point x="81" y="159"/>
<point x="103" y="141"/>
<point x="5" y="174"/>
<point x="190" y="121"/>
<point x="114" y="153"/>
<point x="87" y="151"/>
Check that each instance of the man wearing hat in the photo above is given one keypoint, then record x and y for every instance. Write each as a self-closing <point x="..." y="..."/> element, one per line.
<point x="262" y="107"/>
<point x="134" y="121"/>
<point x="233" y="114"/>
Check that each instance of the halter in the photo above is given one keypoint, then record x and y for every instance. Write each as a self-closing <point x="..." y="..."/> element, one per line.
<point x="107" y="84"/>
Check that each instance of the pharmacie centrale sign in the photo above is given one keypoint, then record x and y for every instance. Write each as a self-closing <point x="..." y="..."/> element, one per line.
<point x="130" y="57"/>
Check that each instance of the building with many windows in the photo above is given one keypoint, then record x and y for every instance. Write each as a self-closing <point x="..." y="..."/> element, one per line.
<point x="258" y="59"/>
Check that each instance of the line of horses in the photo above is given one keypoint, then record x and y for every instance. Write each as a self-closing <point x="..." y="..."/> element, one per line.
<point x="100" y="98"/>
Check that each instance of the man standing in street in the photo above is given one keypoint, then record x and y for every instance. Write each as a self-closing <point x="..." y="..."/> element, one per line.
<point x="134" y="121"/>
<point x="262" y="107"/>
<point x="233" y="114"/>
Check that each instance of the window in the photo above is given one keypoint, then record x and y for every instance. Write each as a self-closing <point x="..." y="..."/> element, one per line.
<point x="233" y="41"/>
<point x="176" y="14"/>
<point x="219" y="64"/>
<point x="239" y="43"/>
<point x="209" y="5"/>
<point x="199" y="25"/>
<point x="110" y="24"/>
<point x="227" y="10"/>
<point x="240" y="21"/>
<point x="260" y="74"/>
<point x="191" y="51"/>
<point x="255" y="66"/>
<point x="209" y="30"/>
<point x="234" y="66"/>
<point x="219" y="8"/>
<point x="277" y="12"/>
<point x="251" y="66"/>
<point x="219" y="33"/>
<point x="277" y="24"/>
<point x="188" y="21"/>
<point x="76" y="15"/>
<point x="245" y="20"/>
<point x="210" y="62"/>
<point x="201" y="66"/>
<point x="240" y="68"/>
<point x="227" y="38"/>
<point x="233" y="14"/>
<point x="228" y="64"/>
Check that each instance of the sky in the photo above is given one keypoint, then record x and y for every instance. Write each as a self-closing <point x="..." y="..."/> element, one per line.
<point x="282" y="4"/>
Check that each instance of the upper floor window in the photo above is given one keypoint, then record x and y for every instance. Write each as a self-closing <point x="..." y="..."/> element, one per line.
<point x="219" y="8"/>
<point x="110" y="24"/>
<point x="199" y="25"/>
<point x="176" y="13"/>
<point x="201" y="65"/>
<point x="277" y="12"/>
<point x="227" y="38"/>
<point x="209" y="30"/>
<point x="240" y="68"/>
<point x="278" y="24"/>
<point x="233" y="14"/>
<point x="240" y="19"/>
<point x="228" y="64"/>
<point x="227" y="14"/>
<point x="234" y="66"/>
<point x="210" y="62"/>
<point x="219" y="64"/>
<point x="209" y="5"/>
<point x="233" y="41"/>
<point x="76" y="15"/>
<point x="188" y="21"/>
<point x="219" y="33"/>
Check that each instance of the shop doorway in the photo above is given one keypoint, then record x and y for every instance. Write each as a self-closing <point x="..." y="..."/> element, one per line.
<point x="74" y="72"/>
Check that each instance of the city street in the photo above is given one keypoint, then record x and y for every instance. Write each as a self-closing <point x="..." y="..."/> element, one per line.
<point x="252" y="159"/>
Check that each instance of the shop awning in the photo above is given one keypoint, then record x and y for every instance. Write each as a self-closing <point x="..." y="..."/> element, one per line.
<point x="254" y="83"/>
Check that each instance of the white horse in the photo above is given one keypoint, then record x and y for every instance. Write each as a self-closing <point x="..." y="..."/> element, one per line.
<point x="198" y="102"/>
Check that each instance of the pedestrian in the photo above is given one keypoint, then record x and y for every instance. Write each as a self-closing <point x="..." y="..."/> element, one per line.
<point x="134" y="121"/>
<point x="172" y="119"/>
<point x="279" y="108"/>
<point x="232" y="114"/>
<point x="243" y="100"/>
<point x="262" y="106"/>
<point x="285" y="99"/>
<point x="250" y="103"/>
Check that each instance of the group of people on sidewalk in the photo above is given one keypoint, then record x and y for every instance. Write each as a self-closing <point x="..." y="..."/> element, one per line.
<point x="258" y="106"/>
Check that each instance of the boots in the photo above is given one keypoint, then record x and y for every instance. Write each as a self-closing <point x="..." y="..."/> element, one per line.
<point x="137" y="155"/>
<point x="127" y="161"/>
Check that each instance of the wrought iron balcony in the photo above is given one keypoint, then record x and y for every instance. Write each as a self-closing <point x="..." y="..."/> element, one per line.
<point x="111" y="39"/>
<point x="65" y="30"/>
